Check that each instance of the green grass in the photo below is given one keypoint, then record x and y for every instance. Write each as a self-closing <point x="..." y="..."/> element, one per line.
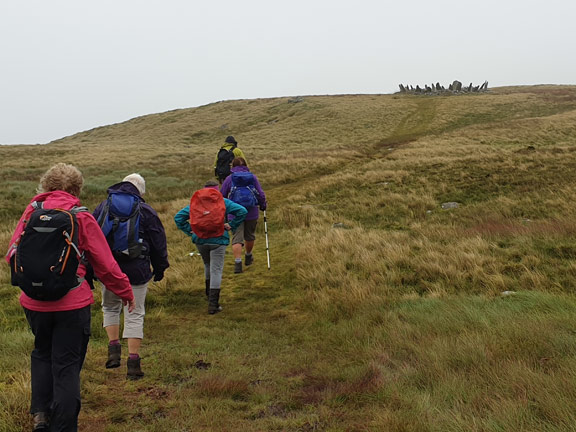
<point x="382" y="311"/>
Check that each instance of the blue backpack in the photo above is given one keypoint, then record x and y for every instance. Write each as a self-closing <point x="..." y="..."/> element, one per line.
<point x="243" y="191"/>
<point x="120" y="223"/>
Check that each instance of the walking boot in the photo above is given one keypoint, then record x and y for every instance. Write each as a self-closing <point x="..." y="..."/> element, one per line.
<point x="213" y="302"/>
<point x="238" y="267"/>
<point x="114" y="354"/>
<point x="207" y="287"/>
<point x="249" y="259"/>
<point x="134" y="369"/>
<point x="41" y="421"/>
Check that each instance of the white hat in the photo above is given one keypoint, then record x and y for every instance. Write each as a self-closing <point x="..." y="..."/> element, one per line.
<point x="138" y="181"/>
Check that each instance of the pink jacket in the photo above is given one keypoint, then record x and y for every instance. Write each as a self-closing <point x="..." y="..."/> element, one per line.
<point x="96" y="250"/>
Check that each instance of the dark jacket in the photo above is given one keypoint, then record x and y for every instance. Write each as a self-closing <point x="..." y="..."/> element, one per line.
<point x="153" y="238"/>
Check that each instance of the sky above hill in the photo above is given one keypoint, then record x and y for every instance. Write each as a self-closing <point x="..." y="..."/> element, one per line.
<point x="69" y="66"/>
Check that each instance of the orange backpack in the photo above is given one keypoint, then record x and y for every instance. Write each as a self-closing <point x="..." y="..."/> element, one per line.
<point x="207" y="213"/>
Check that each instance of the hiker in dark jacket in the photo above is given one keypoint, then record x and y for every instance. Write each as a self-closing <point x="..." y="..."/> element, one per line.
<point x="212" y="249"/>
<point x="151" y="264"/>
<point x="244" y="236"/>
<point x="223" y="162"/>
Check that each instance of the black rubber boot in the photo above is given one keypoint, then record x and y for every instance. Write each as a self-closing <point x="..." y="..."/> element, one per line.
<point x="134" y="369"/>
<point x="114" y="354"/>
<point x="41" y="421"/>
<point x="207" y="287"/>
<point x="213" y="302"/>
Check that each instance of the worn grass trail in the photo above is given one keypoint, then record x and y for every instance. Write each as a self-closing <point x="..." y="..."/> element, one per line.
<point x="200" y="368"/>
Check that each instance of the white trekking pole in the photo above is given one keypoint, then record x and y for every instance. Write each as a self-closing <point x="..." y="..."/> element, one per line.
<point x="267" y="244"/>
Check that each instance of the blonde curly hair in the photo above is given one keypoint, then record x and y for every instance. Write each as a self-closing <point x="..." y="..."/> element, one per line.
<point x="63" y="177"/>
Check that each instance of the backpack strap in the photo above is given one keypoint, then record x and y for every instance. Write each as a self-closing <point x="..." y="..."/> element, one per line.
<point x="103" y="216"/>
<point x="78" y="209"/>
<point x="82" y="258"/>
<point x="36" y="205"/>
<point x="234" y="146"/>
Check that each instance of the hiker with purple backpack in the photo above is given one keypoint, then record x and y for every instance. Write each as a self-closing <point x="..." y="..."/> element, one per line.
<point x="243" y="187"/>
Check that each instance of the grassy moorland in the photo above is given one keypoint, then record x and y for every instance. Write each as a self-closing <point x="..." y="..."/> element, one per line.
<point x="382" y="311"/>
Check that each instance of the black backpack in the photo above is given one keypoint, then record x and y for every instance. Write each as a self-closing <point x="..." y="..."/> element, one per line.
<point x="46" y="260"/>
<point x="223" y="162"/>
<point x="120" y="223"/>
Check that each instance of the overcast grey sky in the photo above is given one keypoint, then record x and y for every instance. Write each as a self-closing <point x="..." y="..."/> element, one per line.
<point x="69" y="65"/>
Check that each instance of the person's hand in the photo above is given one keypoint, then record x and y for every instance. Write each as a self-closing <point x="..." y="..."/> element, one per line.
<point x="131" y="304"/>
<point x="158" y="276"/>
<point x="227" y="227"/>
<point x="263" y="207"/>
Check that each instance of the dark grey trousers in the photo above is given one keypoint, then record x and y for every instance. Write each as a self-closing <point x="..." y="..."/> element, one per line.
<point x="213" y="258"/>
<point x="60" y="343"/>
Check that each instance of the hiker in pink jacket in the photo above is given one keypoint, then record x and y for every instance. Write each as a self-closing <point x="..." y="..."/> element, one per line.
<point x="61" y="327"/>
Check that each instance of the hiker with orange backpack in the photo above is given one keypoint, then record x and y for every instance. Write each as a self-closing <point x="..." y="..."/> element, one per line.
<point x="205" y="221"/>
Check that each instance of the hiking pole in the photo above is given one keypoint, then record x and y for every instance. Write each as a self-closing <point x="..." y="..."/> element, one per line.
<point x="267" y="244"/>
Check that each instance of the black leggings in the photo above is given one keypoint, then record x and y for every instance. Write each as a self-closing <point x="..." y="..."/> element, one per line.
<point x="60" y="343"/>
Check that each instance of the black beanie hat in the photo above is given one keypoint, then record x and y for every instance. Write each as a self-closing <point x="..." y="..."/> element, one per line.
<point x="230" y="140"/>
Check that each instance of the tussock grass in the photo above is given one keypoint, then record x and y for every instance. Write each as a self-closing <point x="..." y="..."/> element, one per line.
<point x="382" y="310"/>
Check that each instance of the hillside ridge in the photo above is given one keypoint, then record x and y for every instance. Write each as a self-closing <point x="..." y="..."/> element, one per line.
<point x="382" y="310"/>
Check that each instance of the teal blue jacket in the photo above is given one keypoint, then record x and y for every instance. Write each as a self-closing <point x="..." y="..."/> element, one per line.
<point x="182" y="220"/>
